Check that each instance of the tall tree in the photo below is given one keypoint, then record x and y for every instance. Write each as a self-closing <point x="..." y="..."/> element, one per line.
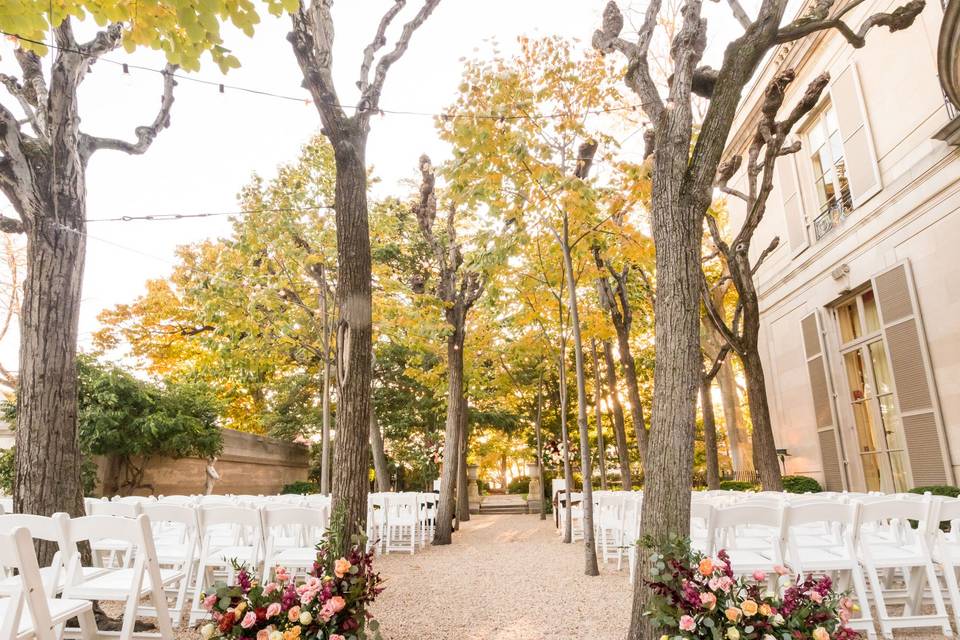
<point x="312" y="41"/>
<point x="598" y="413"/>
<point x="684" y="171"/>
<point x="458" y="287"/>
<point x="619" y="430"/>
<point x="43" y="164"/>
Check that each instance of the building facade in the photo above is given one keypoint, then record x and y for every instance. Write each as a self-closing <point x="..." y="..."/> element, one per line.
<point x="860" y="302"/>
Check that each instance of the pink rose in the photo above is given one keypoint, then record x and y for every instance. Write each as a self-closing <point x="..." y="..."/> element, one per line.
<point x="249" y="620"/>
<point x="708" y="600"/>
<point x="687" y="623"/>
<point x="270" y="587"/>
<point x="282" y="575"/>
<point x="725" y="583"/>
<point x="759" y="575"/>
<point x="336" y="636"/>
<point x="273" y="609"/>
<point x="814" y="596"/>
<point x="263" y="634"/>
<point x="336" y="604"/>
<point x="714" y="584"/>
<point x="781" y="570"/>
<point x="209" y="601"/>
<point x="293" y="614"/>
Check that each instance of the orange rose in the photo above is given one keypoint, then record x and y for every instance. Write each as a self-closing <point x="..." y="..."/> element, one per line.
<point x="706" y="567"/>
<point x="732" y="613"/>
<point x="820" y="634"/>
<point x="341" y="567"/>
<point x="765" y="610"/>
<point x="749" y="608"/>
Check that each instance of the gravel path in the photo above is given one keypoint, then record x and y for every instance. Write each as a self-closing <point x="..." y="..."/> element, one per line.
<point x="505" y="577"/>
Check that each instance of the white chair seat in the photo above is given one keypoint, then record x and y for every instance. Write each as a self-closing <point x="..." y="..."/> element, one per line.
<point x="748" y="560"/>
<point x="295" y="557"/>
<point x="7" y="585"/>
<point x="892" y="555"/>
<point x="118" y="583"/>
<point x="61" y="610"/>
<point x="239" y="553"/>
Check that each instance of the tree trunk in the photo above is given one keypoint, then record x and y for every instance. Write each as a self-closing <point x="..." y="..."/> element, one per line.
<point x="565" y="434"/>
<point x="451" y="445"/>
<point x="325" y="436"/>
<point x="463" y="497"/>
<point x="669" y="463"/>
<point x="351" y="453"/>
<point x="633" y="393"/>
<point x="765" y="458"/>
<point x="619" y="431"/>
<point x="536" y="427"/>
<point x="48" y="458"/>
<point x="589" y="546"/>
<point x="741" y="453"/>
<point x="709" y="433"/>
<point x="601" y="446"/>
<point x="380" y="467"/>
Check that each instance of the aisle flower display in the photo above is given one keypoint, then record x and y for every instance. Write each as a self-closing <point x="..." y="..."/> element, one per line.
<point x="698" y="596"/>
<point x="330" y="604"/>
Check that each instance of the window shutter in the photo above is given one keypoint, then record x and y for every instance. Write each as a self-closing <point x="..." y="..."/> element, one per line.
<point x="915" y="391"/>
<point x="786" y="175"/>
<point x="831" y="449"/>
<point x="860" y="157"/>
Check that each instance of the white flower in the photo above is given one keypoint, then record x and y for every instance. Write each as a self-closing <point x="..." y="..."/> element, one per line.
<point x="777" y="620"/>
<point x="733" y="634"/>
<point x="306" y="618"/>
<point x="207" y="630"/>
<point x="276" y="635"/>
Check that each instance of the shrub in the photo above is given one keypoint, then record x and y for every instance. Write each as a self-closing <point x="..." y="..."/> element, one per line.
<point x="938" y="490"/>
<point x="519" y="485"/>
<point x="737" y="485"/>
<point x="300" y="487"/>
<point x="801" y="484"/>
<point x="88" y="472"/>
<point x="6" y="470"/>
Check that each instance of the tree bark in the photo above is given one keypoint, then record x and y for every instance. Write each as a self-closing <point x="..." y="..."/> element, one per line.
<point x="765" y="458"/>
<point x="463" y="496"/>
<point x="709" y="433"/>
<point x="565" y="434"/>
<point x="633" y="393"/>
<point x="325" y="434"/>
<point x="589" y="545"/>
<point x="351" y="453"/>
<point x="537" y="427"/>
<point x="620" y="432"/>
<point x="451" y="446"/>
<point x="601" y="445"/>
<point x="381" y="469"/>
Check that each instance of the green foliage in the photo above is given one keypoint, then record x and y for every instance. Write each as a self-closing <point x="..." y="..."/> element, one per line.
<point x="7" y="462"/>
<point x="737" y="485"/>
<point x="123" y="416"/>
<point x="519" y="485"/>
<point x="801" y="484"/>
<point x="938" y="490"/>
<point x="300" y="487"/>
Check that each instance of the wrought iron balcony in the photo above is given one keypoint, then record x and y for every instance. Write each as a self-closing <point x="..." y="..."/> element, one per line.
<point x="832" y="214"/>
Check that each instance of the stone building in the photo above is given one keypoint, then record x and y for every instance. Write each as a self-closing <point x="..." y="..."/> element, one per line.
<point x="860" y="302"/>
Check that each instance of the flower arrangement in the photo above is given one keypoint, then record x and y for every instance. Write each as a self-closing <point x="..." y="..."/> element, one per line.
<point x="697" y="596"/>
<point x="331" y="604"/>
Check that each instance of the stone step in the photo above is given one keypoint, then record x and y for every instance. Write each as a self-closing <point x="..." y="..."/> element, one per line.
<point x="504" y="508"/>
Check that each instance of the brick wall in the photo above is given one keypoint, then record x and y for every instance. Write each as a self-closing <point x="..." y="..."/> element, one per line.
<point x="249" y="464"/>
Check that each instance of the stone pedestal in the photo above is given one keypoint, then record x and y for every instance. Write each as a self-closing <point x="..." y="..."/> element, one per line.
<point x="535" y="492"/>
<point x="473" y="490"/>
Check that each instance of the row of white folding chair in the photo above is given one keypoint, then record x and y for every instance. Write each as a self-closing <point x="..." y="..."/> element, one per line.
<point x="75" y="581"/>
<point x="400" y="521"/>
<point x="576" y="513"/>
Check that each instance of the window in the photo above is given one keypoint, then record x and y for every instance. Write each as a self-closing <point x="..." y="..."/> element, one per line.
<point x="829" y="169"/>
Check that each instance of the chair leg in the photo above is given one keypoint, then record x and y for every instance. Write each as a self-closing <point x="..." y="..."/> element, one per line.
<point x="130" y="618"/>
<point x="937" y="599"/>
<point x="863" y="600"/>
<point x="953" y="590"/>
<point x="882" y="615"/>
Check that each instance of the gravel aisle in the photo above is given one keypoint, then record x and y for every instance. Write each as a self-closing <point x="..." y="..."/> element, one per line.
<point x="505" y="577"/>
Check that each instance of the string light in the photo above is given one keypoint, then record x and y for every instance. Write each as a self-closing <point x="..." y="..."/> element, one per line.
<point x="160" y="217"/>
<point x="223" y="87"/>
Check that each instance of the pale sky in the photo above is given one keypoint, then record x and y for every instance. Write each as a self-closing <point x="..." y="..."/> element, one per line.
<point x="216" y="141"/>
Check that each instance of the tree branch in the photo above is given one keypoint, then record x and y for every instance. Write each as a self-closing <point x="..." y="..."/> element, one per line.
<point x="371" y="97"/>
<point x="740" y="14"/>
<point x="10" y="225"/>
<point x="766" y="252"/>
<point x="378" y="41"/>
<point x="312" y="42"/>
<point x="146" y="134"/>
<point x="900" y="18"/>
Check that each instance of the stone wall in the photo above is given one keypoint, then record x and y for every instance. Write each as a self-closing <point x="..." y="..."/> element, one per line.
<point x="249" y="464"/>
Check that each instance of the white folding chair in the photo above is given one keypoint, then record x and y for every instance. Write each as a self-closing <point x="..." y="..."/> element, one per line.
<point x="377" y="512"/>
<point x="818" y="538"/>
<point x="228" y="534"/>
<point x="750" y="534"/>
<point x="885" y="540"/>
<point x="110" y="552"/>
<point x="946" y="550"/>
<point x="145" y="579"/>
<point x="403" y="520"/>
<point x="176" y="540"/>
<point x="28" y="611"/>
<point x="291" y="535"/>
<point x="608" y="518"/>
<point x="50" y="530"/>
